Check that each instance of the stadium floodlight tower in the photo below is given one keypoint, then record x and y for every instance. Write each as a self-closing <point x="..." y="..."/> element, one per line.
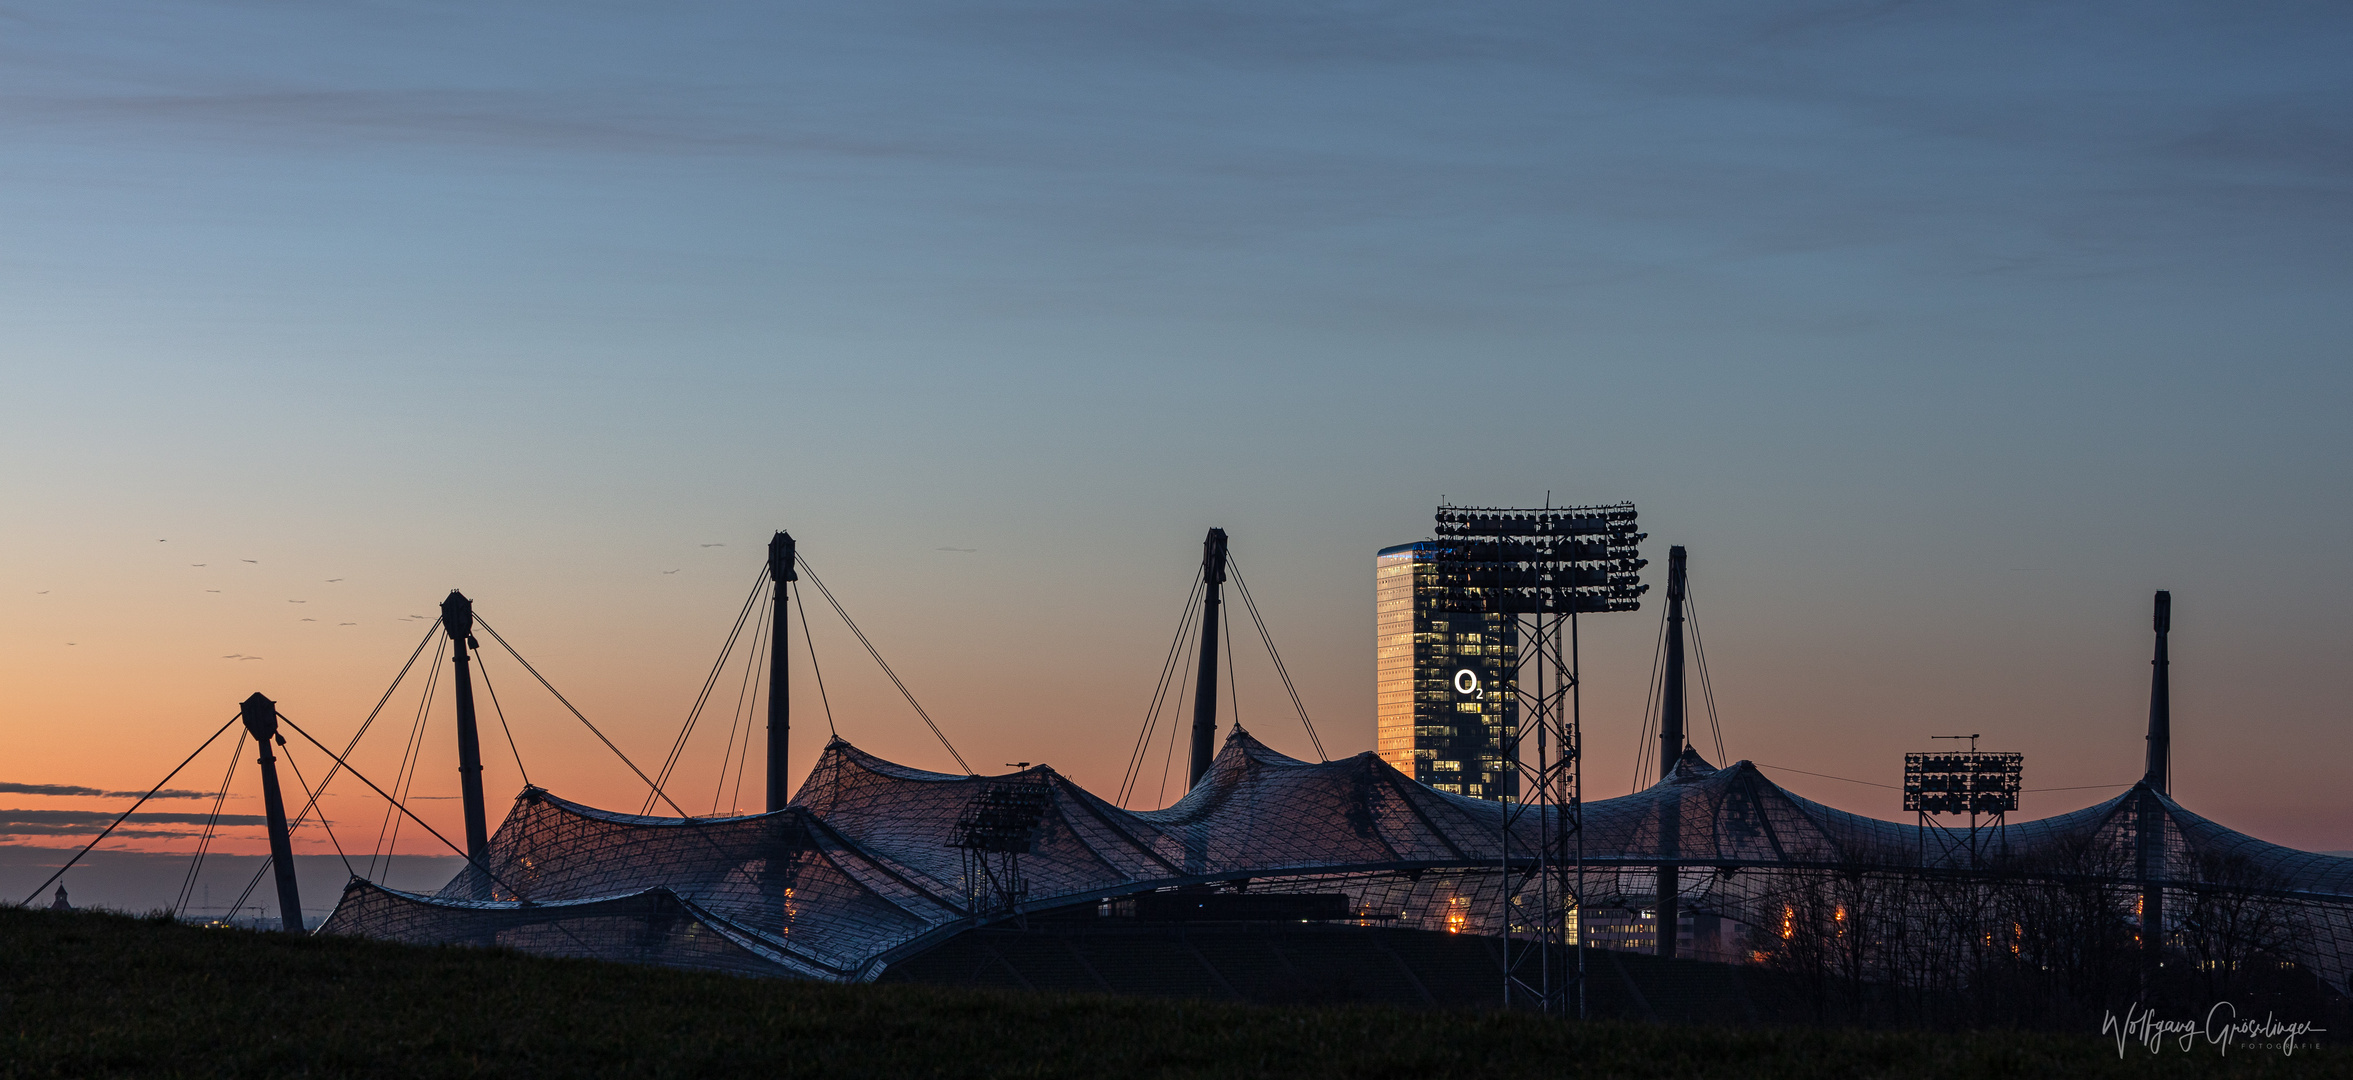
<point x="1982" y="785"/>
<point x="997" y="828"/>
<point x="1539" y="568"/>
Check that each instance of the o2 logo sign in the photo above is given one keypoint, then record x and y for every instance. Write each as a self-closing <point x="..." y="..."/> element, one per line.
<point x="1466" y="683"/>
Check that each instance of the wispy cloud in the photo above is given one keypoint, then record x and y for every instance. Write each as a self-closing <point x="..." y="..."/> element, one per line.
<point x="77" y="789"/>
<point x="76" y="832"/>
<point x="647" y="122"/>
<point x="12" y="820"/>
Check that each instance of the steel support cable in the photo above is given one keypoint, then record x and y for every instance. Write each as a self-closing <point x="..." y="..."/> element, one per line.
<point x="410" y="752"/>
<point x="885" y="665"/>
<point x="1142" y="753"/>
<point x="736" y="720"/>
<point x="1643" y="738"/>
<point x="1233" y="683"/>
<point x="1707" y="686"/>
<point x="1277" y="656"/>
<point x="380" y="701"/>
<point x="323" y="822"/>
<point x="1140" y="756"/>
<point x="711" y="682"/>
<point x="1161" y="700"/>
<point x="167" y="778"/>
<point x="404" y="780"/>
<point x="809" y="645"/>
<point x="397" y="678"/>
<point x="412" y="757"/>
<point x="259" y="872"/>
<point x="484" y="670"/>
<point x="592" y="729"/>
<point x="1652" y="706"/>
<point x="743" y="760"/>
<point x="431" y="634"/>
<point x="1184" y="679"/>
<point x="743" y="720"/>
<point x="742" y="765"/>
<point x="1827" y="776"/>
<point x="211" y="822"/>
<point x="726" y="649"/>
<point x="404" y="810"/>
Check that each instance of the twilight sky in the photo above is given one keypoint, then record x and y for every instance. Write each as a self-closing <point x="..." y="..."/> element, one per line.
<point x="1941" y="335"/>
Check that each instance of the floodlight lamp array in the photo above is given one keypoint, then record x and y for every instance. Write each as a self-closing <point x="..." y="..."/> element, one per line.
<point x="1963" y="783"/>
<point x="1550" y="560"/>
<point x="1003" y="818"/>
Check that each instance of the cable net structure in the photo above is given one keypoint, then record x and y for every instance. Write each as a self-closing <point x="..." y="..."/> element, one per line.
<point x="871" y="863"/>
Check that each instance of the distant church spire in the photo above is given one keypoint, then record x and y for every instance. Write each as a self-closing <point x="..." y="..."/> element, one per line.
<point x="59" y="904"/>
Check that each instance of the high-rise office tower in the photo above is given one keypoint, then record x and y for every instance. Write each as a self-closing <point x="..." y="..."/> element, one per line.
<point x="1448" y="701"/>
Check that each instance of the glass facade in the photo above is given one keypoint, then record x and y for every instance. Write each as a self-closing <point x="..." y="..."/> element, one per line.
<point x="1444" y="683"/>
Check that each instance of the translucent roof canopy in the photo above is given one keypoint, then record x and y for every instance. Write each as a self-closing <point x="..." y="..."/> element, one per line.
<point x="863" y="867"/>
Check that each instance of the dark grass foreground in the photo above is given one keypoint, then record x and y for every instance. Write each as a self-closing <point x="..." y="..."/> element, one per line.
<point x="90" y="995"/>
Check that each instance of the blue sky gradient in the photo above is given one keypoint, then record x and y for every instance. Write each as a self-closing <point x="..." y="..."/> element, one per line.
<point x="1942" y="335"/>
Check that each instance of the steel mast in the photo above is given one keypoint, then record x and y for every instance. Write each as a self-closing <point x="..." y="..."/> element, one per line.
<point x="781" y="555"/>
<point x="2151" y="825"/>
<point x="457" y="619"/>
<point x="1671" y="712"/>
<point x="261" y="721"/>
<point x="2160" y="769"/>
<point x="1213" y="578"/>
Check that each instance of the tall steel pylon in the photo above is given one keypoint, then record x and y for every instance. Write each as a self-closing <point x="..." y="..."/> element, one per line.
<point x="1544" y="960"/>
<point x="1542" y="568"/>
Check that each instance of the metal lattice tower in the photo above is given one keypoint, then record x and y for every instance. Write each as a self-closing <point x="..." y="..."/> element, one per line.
<point x="994" y="832"/>
<point x="1544" y="567"/>
<point x="1984" y="786"/>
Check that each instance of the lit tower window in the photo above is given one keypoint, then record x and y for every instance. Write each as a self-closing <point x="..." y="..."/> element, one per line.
<point x="1443" y="681"/>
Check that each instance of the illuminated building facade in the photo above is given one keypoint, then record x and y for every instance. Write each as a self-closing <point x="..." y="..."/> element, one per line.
<point x="1448" y="699"/>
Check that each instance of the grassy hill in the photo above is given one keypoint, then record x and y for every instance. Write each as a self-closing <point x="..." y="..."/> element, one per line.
<point x="91" y="995"/>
